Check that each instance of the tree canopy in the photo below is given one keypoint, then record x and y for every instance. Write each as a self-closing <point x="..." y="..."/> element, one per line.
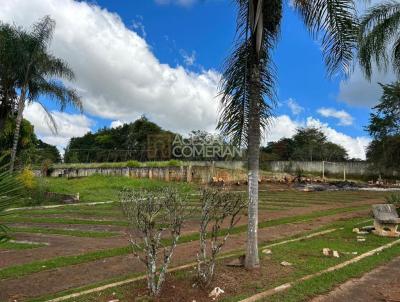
<point x="126" y="142"/>
<point x="308" y="144"/>
<point x="384" y="127"/>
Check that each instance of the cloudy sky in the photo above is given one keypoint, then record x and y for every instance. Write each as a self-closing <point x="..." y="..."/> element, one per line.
<point x="163" y="58"/>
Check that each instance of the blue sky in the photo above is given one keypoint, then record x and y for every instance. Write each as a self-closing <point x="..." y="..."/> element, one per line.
<point x="163" y="58"/>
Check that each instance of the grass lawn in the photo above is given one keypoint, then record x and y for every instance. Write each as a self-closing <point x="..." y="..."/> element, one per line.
<point x="305" y="256"/>
<point x="11" y="245"/>
<point x="101" y="188"/>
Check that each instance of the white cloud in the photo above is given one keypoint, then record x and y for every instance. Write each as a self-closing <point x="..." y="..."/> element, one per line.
<point x="284" y="126"/>
<point x="68" y="125"/>
<point x="345" y="119"/>
<point x="138" y="25"/>
<point x="117" y="74"/>
<point x="116" y="124"/>
<point x="294" y="106"/>
<point x="189" y="59"/>
<point x="178" y="2"/>
<point x="355" y="146"/>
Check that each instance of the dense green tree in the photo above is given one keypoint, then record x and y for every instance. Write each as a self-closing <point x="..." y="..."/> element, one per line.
<point x="126" y="142"/>
<point x="308" y="144"/>
<point x="384" y="153"/>
<point x="31" y="150"/>
<point x="9" y="42"/>
<point x="280" y="150"/>
<point x="384" y="127"/>
<point x="385" y="119"/>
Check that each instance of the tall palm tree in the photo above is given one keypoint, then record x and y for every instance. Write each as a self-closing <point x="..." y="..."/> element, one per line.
<point x="379" y="35"/>
<point x="39" y="73"/>
<point x="249" y="76"/>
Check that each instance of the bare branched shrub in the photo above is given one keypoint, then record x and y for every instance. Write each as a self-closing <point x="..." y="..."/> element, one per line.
<point x="218" y="209"/>
<point x="151" y="215"/>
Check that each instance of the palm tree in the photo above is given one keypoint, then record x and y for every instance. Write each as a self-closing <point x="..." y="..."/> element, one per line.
<point x="39" y="73"/>
<point x="379" y="33"/>
<point x="249" y="76"/>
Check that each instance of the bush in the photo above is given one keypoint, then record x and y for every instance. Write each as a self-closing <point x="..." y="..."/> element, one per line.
<point x="151" y="214"/>
<point x="393" y="198"/>
<point x="27" y="178"/>
<point x="217" y="206"/>
<point x="133" y="164"/>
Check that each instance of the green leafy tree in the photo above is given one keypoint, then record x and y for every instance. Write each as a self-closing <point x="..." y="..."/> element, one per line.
<point x="307" y="144"/>
<point x="39" y="73"/>
<point x="31" y="150"/>
<point x="9" y="42"/>
<point x="379" y="39"/>
<point x="280" y="150"/>
<point x="126" y="142"/>
<point x="384" y="127"/>
<point x="249" y="75"/>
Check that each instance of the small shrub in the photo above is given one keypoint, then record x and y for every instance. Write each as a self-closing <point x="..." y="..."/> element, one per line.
<point x="151" y="214"/>
<point x="299" y="172"/>
<point x="27" y="178"/>
<point x="133" y="164"/>
<point x="393" y="198"/>
<point x="174" y="163"/>
<point x="216" y="207"/>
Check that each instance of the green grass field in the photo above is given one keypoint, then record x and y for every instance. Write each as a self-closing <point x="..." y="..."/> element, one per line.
<point x="105" y="221"/>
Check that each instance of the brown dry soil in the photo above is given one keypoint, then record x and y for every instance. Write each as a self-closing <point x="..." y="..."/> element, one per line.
<point x="56" y="280"/>
<point x="381" y="284"/>
<point x="59" y="245"/>
<point x="183" y="288"/>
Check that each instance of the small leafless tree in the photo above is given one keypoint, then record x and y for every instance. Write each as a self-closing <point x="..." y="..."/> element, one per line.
<point x="217" y="207"/>
<point x="151" y="215"/>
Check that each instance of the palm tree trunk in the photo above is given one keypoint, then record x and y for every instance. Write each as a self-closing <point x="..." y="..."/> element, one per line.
<point x="21" y="106"/>
<point x="252" y="260"/>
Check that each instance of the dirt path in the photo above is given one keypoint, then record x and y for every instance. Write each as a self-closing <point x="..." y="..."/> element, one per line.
<point x="381" y="284"/>
<point x="58" y="246"/>
<point x="53" y="281"/>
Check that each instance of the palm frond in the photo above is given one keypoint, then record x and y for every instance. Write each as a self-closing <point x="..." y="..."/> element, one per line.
<point x="56" y="67"/>
<point x="236" y="83"/>
<point x="55" y="90"/>
<point x="336" y="20"/>
<point x="43" y="31"/>
<point x="10" y="193"/>
<point x="378" y="29"/>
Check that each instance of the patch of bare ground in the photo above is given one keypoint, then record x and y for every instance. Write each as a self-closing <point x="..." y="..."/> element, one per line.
<point x="181" y="287"/>
<point x="58" y="246"/>
<point x="53" y="281"/>
<point x="378" y="285"/>
<point x="61" y="245"/>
